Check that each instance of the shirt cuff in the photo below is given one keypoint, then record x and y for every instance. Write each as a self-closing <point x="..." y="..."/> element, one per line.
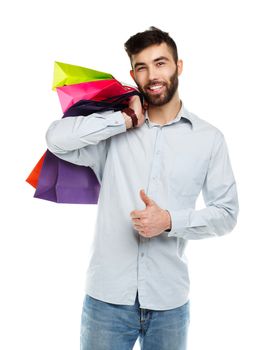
<point x="179" y="221"/>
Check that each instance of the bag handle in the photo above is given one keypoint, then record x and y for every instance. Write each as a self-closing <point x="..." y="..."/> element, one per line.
<point x="111" y="103"/>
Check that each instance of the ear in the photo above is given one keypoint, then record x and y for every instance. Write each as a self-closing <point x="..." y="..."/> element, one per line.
<point x="180" y="66"/>
<point x="132" y="74"/>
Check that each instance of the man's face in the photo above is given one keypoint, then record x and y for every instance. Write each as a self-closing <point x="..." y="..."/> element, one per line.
<point x="156" y="74"/>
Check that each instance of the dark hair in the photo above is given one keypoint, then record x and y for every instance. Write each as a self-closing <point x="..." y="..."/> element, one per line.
<point x="152" y="36"/>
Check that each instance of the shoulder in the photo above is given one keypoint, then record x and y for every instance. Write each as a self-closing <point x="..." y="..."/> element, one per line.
<point x="201" y="125"/>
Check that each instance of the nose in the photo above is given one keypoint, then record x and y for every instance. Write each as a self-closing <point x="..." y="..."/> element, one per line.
<point x="152" y="74"/>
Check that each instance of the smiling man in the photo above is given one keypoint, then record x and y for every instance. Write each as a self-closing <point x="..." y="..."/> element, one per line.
<point x="152" y="164"/>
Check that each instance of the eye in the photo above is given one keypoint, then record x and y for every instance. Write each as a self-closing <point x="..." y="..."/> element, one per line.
<point x="140" y="68"/>
<point x="159" y="64"/>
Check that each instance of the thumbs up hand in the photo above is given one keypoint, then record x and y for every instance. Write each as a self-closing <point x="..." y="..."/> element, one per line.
<point x="153" y="220"/>
<point x="146" y="199"/>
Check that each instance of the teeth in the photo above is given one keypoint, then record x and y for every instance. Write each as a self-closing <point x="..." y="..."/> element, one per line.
<point x="156" y="87"/>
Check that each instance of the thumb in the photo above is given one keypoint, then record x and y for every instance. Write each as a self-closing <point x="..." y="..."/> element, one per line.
<point x="145" y="198"/>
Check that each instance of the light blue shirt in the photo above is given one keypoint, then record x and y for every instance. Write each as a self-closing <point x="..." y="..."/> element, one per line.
<point x="173" y="163"/>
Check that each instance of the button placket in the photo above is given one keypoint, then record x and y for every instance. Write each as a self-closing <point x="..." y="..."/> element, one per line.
<point x="152" y="189"/>
<point x="155" y="169"/>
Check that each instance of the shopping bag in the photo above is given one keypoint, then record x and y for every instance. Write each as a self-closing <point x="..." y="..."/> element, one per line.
<point x="33" y="177"/>
<point x="81" y="91"/>
<point x="67" y="74"/>
<point x="63" y="182"/>
<point x="96" y="90"/>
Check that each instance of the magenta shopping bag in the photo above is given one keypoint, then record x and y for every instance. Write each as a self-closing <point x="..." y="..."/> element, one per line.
<point x="95" y="90"/>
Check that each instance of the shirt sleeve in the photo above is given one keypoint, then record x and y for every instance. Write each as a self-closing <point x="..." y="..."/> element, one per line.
<point x="220" y="196"/>
<point x="84" y="140"/>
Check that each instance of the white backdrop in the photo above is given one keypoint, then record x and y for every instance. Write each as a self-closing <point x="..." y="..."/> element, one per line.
<point x="44" y="247"/>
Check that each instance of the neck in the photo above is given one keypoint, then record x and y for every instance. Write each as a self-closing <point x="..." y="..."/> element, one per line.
<point x="164" y="114"/>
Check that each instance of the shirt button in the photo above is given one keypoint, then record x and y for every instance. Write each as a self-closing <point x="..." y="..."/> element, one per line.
<point x="116" y="122"/>
<point x="142" y="254"/>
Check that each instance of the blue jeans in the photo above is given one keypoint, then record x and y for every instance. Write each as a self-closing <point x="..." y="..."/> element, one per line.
<point x="106" y="326"/>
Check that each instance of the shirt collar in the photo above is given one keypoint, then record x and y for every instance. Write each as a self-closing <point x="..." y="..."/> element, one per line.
<point x="183" y="116"/>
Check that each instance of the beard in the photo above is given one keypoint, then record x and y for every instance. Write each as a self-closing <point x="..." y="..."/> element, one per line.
<point x="163" y="98"/>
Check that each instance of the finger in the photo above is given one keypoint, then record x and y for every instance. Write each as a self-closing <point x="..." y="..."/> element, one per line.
<point x="146" y="199"/>
<point x="138" y="226"/>
<point x="137" y="214"/>
<point x="137" y="221"/>
<point x="145" y="105"/>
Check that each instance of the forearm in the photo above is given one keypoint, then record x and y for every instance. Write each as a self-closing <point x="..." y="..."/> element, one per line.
<point x="220" y="197"/>
<point x="208" y="222"/>
<point x="72" y="133"/>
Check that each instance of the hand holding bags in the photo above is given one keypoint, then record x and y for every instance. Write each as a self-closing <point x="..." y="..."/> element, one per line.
<point x="63" y="182"/>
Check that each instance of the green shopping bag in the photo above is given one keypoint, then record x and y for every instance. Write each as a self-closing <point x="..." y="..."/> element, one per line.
<point x="68" y="74"/>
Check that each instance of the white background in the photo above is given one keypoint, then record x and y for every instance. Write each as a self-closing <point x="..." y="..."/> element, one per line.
<point x="44" y="247"/>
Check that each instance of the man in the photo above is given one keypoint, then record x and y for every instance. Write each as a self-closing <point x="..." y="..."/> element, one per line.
<point x="152" y="165"/>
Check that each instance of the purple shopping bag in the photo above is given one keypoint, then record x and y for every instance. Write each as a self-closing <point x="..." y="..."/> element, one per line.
<point x="64" y="182"/>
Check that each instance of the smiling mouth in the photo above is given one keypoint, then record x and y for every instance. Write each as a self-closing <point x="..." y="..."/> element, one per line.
<point x="155" y="89"/>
